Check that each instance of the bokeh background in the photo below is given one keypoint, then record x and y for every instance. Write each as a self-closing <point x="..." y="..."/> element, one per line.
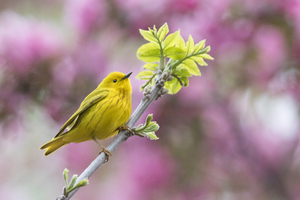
<point x="232" y="134"/>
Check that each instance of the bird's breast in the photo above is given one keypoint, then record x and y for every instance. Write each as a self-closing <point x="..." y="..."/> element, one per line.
<point x="114" y="113"/>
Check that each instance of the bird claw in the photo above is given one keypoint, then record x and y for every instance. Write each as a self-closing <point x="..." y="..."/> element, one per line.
<point x="126" y="128"/>
<point x="106" y="152"/>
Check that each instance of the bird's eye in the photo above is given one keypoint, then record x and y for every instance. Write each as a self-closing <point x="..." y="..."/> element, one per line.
<point x="115" y="80"/>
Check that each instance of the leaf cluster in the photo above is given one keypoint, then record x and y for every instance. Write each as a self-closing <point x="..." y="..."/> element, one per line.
<point x="71" y="186"/>
<point x="148" y="129"/>
<point x="172" y="55"/>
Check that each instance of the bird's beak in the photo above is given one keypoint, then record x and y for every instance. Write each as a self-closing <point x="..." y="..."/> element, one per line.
<point x="126" y="76"/>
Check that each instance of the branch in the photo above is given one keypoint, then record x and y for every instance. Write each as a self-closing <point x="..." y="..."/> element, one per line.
<point x="179" y="51"/>
<point x="122" y="136"/>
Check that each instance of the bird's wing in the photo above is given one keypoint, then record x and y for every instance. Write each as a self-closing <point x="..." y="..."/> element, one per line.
<point x="94" y="97"/>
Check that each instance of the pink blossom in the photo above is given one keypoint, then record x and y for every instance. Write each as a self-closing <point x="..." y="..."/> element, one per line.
<point x="64" y="74"/>
<point x="25" y="42"/>
<point x="198" y="91"/>
<point x="150" y="167"/>
<point x="220" y="127"/>
<point x="183" y="6"/>
<point x="86" y="15"/>
<point x="143" y="15"/>
<point x="90" y="60"/>
<point x="270" y="48"/>
<point x="79" y="155"/>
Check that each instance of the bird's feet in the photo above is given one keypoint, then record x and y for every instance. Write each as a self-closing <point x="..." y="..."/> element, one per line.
<point x="106" y="152"/>
<point x="126" y="128"/>
<point x="131" y="131"/>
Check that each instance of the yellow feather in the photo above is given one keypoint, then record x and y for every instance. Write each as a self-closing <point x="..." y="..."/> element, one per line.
<point x="100" y="114"/>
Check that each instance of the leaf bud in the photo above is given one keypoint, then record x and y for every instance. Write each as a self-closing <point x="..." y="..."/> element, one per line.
<point x="170" y="78"/>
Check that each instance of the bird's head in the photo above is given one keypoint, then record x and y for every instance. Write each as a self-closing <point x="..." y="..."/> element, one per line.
<point x="117" y="80"/>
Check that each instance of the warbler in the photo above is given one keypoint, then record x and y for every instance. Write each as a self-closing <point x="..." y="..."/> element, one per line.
<point x="100" y="115"/>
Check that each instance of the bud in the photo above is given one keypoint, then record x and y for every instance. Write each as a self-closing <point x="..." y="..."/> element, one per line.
<point x="82" y="183"/>
<point x="159" y="73"/>
<point x="152" y="136"/>
<point x="170" y="78"/>
<point x="149" y="118"/>
<point x="73" y="181"/>
<point x="65" y="175"/>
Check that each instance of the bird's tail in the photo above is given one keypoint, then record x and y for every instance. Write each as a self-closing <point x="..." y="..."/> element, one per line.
<point x="54" y="144"/>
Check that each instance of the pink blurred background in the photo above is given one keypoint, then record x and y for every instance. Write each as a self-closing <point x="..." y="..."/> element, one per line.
<point x="232" y="134"/>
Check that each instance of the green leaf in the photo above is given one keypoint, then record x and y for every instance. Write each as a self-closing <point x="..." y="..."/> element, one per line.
<point x="168" y="85"/>
<point x="148" y="128"/>
<point x="192" y="67"/>
<point x="150" y="55"/>
<point x="173" y="86"/>
<point x="144" y="75"/>
<point x="154" y="29"/>
<point x="151" y="128"/>
<point x="185" y="81"/>
<point x="175" y="53"/>
<point x="151" y="66"/>
<point x="176" y="86"/>
<point x="151" y="31"/>
<point x="149" y="82"/>
<point x="206" y="56"/>
<point x="190" y="45"/>
<point x="182" y="72"/>
<point x="142" y="127"/>
<point x="199" y="60"/>
<point x="171" y="39"/>
<point x="200" y="45"/>
<point x="139" y="127"/>
<point x="151" y="123"/>
<point x="149" y="118"/>
<point x="73" y="180"/>
<point x="152" y="136"/>
<point x="65" y="175"/>
<point x="148" y="35"/>
<point x="181" y="44"/>
<point x="70" y="187"/>
<point x="206" y="50"/>
<point x="163" y="31"/>
<point x="82" y="183"/>
<point x="147" y="47"/>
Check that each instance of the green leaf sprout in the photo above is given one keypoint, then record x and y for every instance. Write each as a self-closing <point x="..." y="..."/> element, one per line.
<point x="182" y="57"/>
<point x="148" y="129"/>
<point x="70" y="187"/>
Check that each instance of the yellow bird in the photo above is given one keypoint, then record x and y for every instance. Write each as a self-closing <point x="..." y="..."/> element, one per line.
<point x="101" y="114"/>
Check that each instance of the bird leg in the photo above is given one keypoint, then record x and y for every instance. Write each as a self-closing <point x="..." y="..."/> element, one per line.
<point x="125" y="128"/>
<point x="104" y="150"/>
<point x="131" y="131"/>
